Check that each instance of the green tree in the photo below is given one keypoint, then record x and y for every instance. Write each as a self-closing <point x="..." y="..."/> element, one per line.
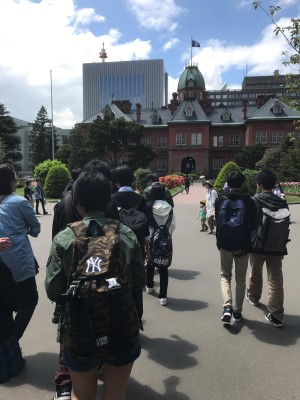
<point x="141" y="156"/>
<point x="114" y="140"/>
<point x="271" y="159"/>
<point x="289" y="166"/>
<point x="41" y="138"/>
<point x="80" y="153"/>
<point x="63" y="153"/>
<point x="8" y="137"/>
<point x="2" y="151"/>
<point x="222" y="176"/>
<point x="249" y="156"/>
<point x="291" y="33"/>
<point x="42" y="169"/>
<point x="57" y="179"/>
<point x="250" y="181"/>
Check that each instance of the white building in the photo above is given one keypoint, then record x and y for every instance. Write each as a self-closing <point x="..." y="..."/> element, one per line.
<point x="140" y="81"/>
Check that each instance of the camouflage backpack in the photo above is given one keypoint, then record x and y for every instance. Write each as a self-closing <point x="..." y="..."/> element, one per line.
<point x="100" y="318"/>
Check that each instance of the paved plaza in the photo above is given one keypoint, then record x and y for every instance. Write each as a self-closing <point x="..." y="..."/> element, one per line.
<point x="188" y="353"/>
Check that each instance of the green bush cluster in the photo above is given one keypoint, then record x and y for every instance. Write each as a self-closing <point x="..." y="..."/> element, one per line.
<point x="140" y="178"/>
<point x="56" y="180"/>
<point x="42" y="169"/>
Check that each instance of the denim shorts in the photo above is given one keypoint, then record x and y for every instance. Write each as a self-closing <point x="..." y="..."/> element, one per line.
<point x="84" y="366"/>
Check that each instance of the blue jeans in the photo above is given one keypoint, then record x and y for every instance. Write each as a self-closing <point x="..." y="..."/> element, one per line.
<point x="30" y="296"/>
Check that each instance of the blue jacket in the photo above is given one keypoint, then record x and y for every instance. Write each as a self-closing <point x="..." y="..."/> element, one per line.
<point x="17" y="220"/>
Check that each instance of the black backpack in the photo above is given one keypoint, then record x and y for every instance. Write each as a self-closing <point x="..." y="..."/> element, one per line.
<point x="136" y="220"/>
<point x="272" y="231"/>
<point x="233" y="229"/>
<point x="161" y="246"/>
<point x="99" y="319"/>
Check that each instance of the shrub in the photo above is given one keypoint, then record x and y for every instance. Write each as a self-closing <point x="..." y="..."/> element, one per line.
<point x="171" y="181"/>
<point x="57" y="179"/>
<point x="140" y="178"/>
<point x="42" y="169"/>
<point x="222" y="176"/>
<point x="250" y="183"/>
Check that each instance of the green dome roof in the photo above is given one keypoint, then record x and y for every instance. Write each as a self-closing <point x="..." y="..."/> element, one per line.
<point x="191" y="73"/>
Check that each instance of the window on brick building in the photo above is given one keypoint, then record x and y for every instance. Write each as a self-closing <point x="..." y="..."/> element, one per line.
<point x="234" y="140"/>
<point x="218" y="141"/>
<point x="196" y="139"/>
<point x="217" y="164"/>
<point x="161" y="164"/>
<point x="161" y="142"/>
<point x="146" y="140"/>
<point x="261" y="137"/>
<point x="180" y="139"/>
<point x="277" y="137"/>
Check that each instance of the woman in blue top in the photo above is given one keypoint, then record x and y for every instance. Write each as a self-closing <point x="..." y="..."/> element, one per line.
<point x="17" y="220"/>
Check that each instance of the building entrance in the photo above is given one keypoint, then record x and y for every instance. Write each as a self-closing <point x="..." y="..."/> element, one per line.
<point x="188" y="165"/>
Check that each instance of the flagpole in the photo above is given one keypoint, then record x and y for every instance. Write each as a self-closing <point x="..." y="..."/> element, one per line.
<point x="52" y="116"/>
<point x="191" y="49"/>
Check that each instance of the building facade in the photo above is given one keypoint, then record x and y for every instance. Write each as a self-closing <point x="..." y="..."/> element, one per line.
<point x="194" y="134"/>
<point x="141" y="81"/>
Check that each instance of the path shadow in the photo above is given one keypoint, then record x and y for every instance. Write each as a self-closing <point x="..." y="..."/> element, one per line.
<point x="185" y="304"/>
<point x="172" y="353"/>
<point x="39" y="372"/>
<point x="182" y="274"/>
<point x="267" y="333"/>
<point x="138" y="391"/>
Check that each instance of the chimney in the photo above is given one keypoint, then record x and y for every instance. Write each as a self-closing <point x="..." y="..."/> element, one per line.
<point x="245" y="109"/>
<point x="138" y="112"/>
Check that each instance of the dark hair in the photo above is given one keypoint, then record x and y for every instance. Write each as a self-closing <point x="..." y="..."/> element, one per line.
<point x="96" y="166"/>
<point x="123" y="175"/>
<point x="152" y="177"/>
<point x="266" y="178"/>
<point x="157" y="192"/>
<point x="27" y="183"/>
<point x="92" y="191"/>
<point x="235" y="179"/>
<point x="75" y="173"/>
<point x="7" y="176"/>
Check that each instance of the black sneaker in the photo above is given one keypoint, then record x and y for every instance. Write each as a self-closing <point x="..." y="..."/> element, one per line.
<point x="274" y="321"/>
<point x="227" y="314"/>
<point x="237" y="316"/>
<point x="63" y="393"/>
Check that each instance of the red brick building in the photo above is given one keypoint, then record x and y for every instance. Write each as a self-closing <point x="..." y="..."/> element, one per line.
<point x="192" y="135"/>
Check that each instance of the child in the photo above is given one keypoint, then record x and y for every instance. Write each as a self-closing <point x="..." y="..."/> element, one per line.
<point x="202" y="215"/>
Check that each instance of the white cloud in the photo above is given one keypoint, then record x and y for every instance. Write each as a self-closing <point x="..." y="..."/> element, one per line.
<point x="171" y="43"/>
<point x="156" y="15"/>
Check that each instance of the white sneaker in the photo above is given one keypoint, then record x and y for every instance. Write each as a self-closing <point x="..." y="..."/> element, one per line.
<point x="149" y="290"/>
<point x="163" y="302"/>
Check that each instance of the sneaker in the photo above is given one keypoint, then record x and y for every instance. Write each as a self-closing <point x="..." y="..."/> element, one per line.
<point x="63" y="393"/>
<point x="227" y="313"/>
<point x="237" y="316"/>
<point x="149" y="289"/>
<point x="163" y="301"/>
<point x="253" y="303"/>
<point x="274" y="321"/>
<point x="37" y="213"/>
<point x="45" y="213"/>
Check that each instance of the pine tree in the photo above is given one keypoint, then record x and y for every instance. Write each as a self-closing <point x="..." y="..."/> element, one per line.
<point x="10" y="141"/>
<point x="41" y="138"/>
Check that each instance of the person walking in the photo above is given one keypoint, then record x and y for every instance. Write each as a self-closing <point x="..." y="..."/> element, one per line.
<point x="92" y="196"/>
<point x="211" y="196"/>
<point x="18" y="220"/>
<point x="28" y="192"/>
<point x="158" y="214"/>
<point x="272" y="257"/>
<point x="40" y="197"/>
<point x="235" y="216"/>
<point x="187" y="183"/>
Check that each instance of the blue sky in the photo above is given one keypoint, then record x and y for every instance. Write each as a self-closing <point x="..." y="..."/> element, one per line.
<point x="37" y="36"/>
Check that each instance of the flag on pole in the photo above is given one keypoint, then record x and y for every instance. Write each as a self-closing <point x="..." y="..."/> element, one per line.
<point x="195" y="43"/>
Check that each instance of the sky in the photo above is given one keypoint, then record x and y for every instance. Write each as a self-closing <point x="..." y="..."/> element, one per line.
<point x="44" y="41"/>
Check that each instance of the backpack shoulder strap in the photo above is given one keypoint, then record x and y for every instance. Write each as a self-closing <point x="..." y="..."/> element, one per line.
<point x="169" y="220"/>
<point x="111" y="226"/>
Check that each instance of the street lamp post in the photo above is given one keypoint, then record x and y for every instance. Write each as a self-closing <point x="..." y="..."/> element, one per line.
<point x="52" y="117"/>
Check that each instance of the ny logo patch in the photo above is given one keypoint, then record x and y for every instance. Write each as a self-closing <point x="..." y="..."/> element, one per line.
<point x="93" y="265"/>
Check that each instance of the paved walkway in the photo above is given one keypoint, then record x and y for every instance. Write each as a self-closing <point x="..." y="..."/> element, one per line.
<point x="188" y="353"/>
